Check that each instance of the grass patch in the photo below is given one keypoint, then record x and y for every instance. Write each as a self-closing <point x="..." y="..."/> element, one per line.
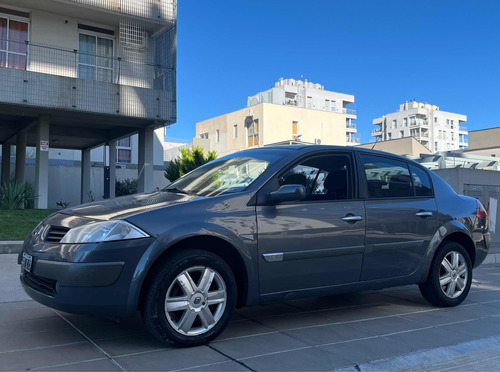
<point x="18" y="224"/>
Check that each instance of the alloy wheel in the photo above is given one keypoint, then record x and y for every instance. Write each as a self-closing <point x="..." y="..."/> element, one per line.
<point x="453" y="274"/>
<point x="195" y="300"/>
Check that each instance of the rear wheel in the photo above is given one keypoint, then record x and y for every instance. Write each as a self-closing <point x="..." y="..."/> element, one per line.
<point x="450" y="276"/>
<point x="190" y="299"/>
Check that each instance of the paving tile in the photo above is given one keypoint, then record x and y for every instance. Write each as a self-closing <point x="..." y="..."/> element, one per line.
<point x="482" y="296"/>
<point x="25" y="314"/>
<point x="20" y="305"/>
<point x="244" y="328"/>
<point x="363" y="351"/>
<point x="321" y="303"/>
<point x="131" y="344"/>
<point x="32" y="326"/>
<point x="476" y="311"/>
<point x="224" y="366"/>
<point x="256" y="312"/>
<point x="480" y="328"/>
<point x="382" y="326"/>
<point x="29" y="359"/>
<point x="172" y="359"/>
<point x="402" y="307"/>
<point x="20" y="341"/>
<point x="327" y="334"/>
<point x="438" y="317"/>
<point x="355" y="313"/>
<point x="103" y="364"/>
<point x="290" y="321"/>
<point x="429" y="338"/>
<point x="311" y="359"/>
<point x="257" y="345"/>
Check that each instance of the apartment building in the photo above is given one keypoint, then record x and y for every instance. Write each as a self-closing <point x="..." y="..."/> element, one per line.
<point x="435" y="129"/>
<point x="82" y="74"/>
<point x="293" y="110"/>
<point x="304" y="94"/>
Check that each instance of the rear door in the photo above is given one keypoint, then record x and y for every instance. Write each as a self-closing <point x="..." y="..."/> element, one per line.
<point x="401" y="216"/>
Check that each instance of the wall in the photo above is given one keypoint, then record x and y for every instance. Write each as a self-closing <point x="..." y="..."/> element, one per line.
<point x="408" y="146"/>
<point x="477" y="183"/>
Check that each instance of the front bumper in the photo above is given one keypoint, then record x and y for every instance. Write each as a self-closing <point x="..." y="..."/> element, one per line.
<point x="86" y="278"/>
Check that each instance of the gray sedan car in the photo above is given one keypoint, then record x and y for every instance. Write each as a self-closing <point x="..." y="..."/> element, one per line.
<point x="258" y="226"/>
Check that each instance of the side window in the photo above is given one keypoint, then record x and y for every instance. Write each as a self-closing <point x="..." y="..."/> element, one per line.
<point x="324" y="177"/>
<point x="386" y="177"/>
<point x="421" y="181"/>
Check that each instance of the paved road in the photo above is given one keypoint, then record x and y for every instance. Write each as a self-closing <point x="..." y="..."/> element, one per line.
<point x="392" y="329"/>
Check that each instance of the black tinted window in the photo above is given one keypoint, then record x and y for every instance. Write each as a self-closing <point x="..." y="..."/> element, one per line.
<point x="324" y="177"/>
<point x="421" y="181"/>
<point x="386" y="177"/>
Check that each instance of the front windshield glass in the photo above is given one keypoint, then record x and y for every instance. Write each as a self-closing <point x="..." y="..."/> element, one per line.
<point x="227" y="175"/>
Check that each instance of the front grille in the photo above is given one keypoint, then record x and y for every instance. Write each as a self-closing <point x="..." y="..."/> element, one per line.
<point x="55" y="234"/>
<point x="39" y="284"/>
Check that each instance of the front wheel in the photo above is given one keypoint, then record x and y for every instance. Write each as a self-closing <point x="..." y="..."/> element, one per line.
<point x="450" y="276"/>
<point x="190" y="299"/>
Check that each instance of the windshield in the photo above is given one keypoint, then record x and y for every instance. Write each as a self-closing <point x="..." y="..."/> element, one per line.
<point x="227" y="175"/>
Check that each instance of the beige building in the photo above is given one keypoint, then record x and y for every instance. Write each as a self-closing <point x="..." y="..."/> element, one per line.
<point x="268" y="123"/>
<point x="484" y="142"/>
<point x="407" y="146"/>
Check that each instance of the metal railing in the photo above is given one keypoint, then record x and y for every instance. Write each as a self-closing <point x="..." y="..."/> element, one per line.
<point x="376" y="132"/>
<point x="351" y="125"/>
<point x="352" y="139"/>
<point x="59" y="61"/>
<point x="348" y="111"/>
<point x="462" y="128"/>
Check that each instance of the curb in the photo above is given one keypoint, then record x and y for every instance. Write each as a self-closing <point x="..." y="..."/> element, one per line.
<point x="12" y="246"/>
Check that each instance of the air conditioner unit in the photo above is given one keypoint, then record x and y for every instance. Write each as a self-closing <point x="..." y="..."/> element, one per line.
<point x="317" y="141"/>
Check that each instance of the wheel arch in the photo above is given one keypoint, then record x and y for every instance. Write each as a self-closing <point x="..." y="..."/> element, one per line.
<point x="209" y="243"/>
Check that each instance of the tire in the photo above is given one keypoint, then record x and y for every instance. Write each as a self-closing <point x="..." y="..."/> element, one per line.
<point x="450" y="276"/>
<point x="197" y="312"/>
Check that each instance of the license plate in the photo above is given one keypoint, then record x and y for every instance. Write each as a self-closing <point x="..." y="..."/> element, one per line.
<point x="26" y="262"/>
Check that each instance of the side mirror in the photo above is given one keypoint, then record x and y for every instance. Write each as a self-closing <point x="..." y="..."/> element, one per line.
<point x="288" y="193"/>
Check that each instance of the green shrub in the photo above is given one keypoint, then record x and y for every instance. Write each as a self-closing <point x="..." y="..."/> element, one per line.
<point x="15" y="195"/>
<point x="190" y="159"/>
<point x="125" y="187"/>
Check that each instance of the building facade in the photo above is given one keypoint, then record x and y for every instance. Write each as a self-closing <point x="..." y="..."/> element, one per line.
<point x="437" y="130"/>
<point x="315" y="116"/>
<point x="304" y="94"/>
<point x="83" y="74"/>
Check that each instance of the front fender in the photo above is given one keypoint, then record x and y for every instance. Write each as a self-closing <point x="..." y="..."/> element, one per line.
<point x="448" y="228"/>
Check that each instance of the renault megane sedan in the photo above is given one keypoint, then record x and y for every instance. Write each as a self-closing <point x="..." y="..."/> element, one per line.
<point x="258" y="226"/>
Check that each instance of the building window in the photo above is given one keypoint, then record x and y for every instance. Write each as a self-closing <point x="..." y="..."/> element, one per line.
<point x="447" y="121"/>
<point x="402" y="133"/>
<point x="405" y="121"/>
<point x="394" y="124"/>
<point x="123" y="150"/>
<point x="413" y="120"/>
<point x="235" y="131"/>
<point x="204" y="135"/>
<point x="295" y="129"/>
<point x="435" y="146"/>
<point x="217" y="136"/>
<point x="435" y="120"/>
<point x="95" y="58"/>
<point x="389" y="135"/>
<point x="333" y="105"/>
<point x="253" y="133"/>
<point x="13" y="46"/>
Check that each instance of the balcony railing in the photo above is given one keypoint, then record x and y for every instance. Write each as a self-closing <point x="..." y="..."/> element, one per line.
<point x="50" y="76"/>
<point x="462" y="128"/>
<point x="348" y="111"/>
<point x="351" y="125"/>
<point x="376" y="133"/>
<point x="352" y="139"/>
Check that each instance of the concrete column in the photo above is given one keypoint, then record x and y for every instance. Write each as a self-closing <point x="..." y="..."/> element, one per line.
<point x="112" y="168"/>
<point x="42" y="163"/>
<point x="145" y="160"/>
<point x="20" y="156"/>
<point x="85" y="188"/>
<point x="5" y="164"/>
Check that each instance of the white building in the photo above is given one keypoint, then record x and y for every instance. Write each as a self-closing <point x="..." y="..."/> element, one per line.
<point x="304" y="94"/>
<point x="437" y="130"/>
<point x="85" y="81"/>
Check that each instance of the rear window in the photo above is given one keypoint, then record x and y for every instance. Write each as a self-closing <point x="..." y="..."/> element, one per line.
<point x="421" y="181"/>
<point x="386" y="177"/>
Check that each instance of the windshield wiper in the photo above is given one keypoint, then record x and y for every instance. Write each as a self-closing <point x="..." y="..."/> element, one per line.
<point x="178" y="191"/>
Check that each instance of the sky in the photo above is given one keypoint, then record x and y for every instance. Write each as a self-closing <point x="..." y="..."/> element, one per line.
<point x="384" y="52"/>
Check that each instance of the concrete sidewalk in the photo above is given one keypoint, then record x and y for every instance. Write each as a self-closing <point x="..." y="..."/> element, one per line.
<point x="391" y="329"/>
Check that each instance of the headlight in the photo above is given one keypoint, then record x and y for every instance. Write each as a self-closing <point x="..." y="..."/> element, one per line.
<point x="103" y="232"/>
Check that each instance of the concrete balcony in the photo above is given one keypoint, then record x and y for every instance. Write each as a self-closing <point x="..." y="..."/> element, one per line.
<point x="352" y="140"/>
<point x="462" y="128"/>
<point x="376" y="133"/>
<point x="348" y="111"/>
<point x="351" y="128"/>
<point x="50" y="79"/>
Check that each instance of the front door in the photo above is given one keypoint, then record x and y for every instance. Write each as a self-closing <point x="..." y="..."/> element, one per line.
<point x="319" y="241"/>
<point x="401" y="217"/>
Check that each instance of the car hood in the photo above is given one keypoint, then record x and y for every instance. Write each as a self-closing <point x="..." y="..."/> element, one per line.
<point x="126" y="206"/>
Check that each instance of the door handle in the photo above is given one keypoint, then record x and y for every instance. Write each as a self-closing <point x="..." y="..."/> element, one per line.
<point x="423" y="214"/>
<point x="351" y="218"/>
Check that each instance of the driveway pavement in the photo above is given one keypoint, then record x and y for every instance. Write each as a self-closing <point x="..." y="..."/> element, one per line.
<point x="377" y="330"/>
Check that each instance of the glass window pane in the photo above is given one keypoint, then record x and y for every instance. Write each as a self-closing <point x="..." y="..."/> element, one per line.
<point x="421" y="181"/>
<point x="124" y="156"/>
<point x="17" y="61"/>
<point x="3" y="33"/>
<point x="87" y="49"/>
<point x="104" y="75"/>
<point x="86" y="72"/>
<point x="18" y="35"/>
<point x="124" y="142"/>
<point x="3" y="59"/>
<point x="105" y="52"/>
<point x="386" y="177"/>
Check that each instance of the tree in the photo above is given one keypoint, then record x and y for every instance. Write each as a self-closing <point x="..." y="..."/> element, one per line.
<point x="190" y="159"/>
